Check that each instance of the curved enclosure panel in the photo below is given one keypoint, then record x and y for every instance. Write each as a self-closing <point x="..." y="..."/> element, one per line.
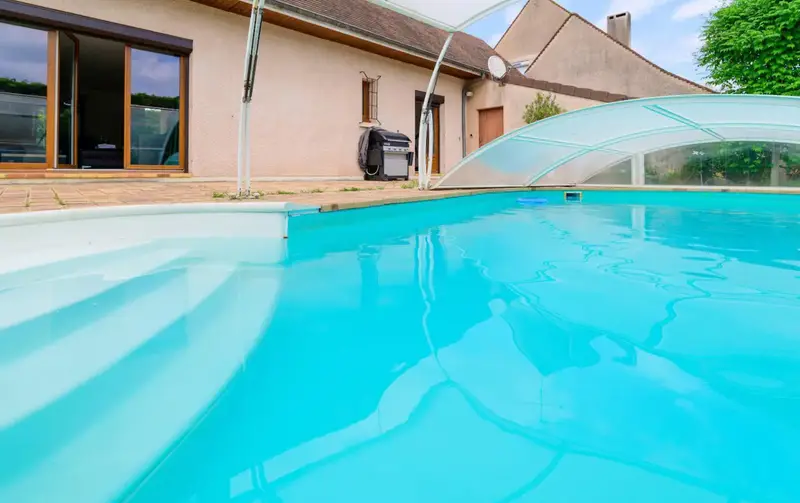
<point x="450" y="15"/>
<point x="576" y="146"/>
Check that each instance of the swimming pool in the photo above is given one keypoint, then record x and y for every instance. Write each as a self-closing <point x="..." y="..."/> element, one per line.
<point x="631" y="347"/>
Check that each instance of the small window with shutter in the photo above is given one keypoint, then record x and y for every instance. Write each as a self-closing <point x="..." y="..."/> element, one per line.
<point x="369" y="99"/>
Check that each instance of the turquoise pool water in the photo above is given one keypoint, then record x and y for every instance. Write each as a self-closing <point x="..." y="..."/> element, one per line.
<point x="635" y="347"/>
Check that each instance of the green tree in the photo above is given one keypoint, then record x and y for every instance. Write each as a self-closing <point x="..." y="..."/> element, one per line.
<point x="753" y="47"/>
<point x="542" y="107"/>
<point x="22" y="87"/>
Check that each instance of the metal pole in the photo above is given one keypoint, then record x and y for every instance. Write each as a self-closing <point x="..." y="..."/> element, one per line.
<point x="425" y="121"/>
<point x="637" y="168"/>
<point x="429" y="163"/>
<point x="240" y="161"/>
<point x="247" y="151"/>
<point x="250" y="63"/>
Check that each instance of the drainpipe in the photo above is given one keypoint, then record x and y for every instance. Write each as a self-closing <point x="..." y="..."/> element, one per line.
<point x="465" y="93"/>
<point x="464" y="121"/>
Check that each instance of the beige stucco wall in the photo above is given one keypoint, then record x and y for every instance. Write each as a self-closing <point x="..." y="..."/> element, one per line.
<point x="583" y="56"/>
<point x="487" y="94"/>
<point x="530" y="32"/>
<point x="305" y="120"/>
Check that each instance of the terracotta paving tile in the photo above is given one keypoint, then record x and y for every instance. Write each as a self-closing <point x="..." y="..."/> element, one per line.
<point x="37" y="197"/>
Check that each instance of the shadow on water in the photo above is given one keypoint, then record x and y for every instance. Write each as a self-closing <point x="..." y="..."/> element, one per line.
<point x="477" y="351"/>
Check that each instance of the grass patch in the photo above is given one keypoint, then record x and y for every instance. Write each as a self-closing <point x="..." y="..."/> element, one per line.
<point x="254" y="194"/>
<point x="285" y="193"/>
<point x="219" y="195"/>
<point x="362" y="189"/>
<point x="411" y="184"/>
<point x="313" y="191"/>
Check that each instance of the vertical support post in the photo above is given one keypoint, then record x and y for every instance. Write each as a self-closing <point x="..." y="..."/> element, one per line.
<point x="777" y="175"/>
<point x="250" y="64"/>
<point x="425" y="127"/>
<point x="637" y="169"/>
<point x="431" y="145"/>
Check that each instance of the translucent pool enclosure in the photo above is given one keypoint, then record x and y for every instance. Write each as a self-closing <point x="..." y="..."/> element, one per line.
<point x="580" y="146"/>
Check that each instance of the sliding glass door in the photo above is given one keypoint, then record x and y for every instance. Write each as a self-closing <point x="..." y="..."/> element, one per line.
<point x="27" y="96"/>
<point x="67" y="100"/>
<point x="127" y="109"/>
<point x="155" y="130"/>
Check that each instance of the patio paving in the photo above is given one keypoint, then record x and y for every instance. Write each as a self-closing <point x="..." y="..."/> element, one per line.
<point x="26" y="197"/>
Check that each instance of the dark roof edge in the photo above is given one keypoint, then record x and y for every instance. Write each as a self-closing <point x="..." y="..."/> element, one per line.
<point x="520" y="13"/>
<point x="512" y="24"/>
<point x="553" y="87"/>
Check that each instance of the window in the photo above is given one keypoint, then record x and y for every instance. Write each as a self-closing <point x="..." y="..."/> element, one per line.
<point x="23" y="94"/>
<point x="522" y="65"/>
<point x="369" y="99"/>
<point x="155" y="89"/>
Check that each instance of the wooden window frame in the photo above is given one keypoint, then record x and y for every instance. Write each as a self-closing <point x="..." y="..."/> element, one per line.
<point x="52" y="21"/>
<point x="365" y="101"/>
<point x="75" y="66"/>
<point x="60" y="20"/>
<point x="183" y="114"/>
<point x="51" y="137"/>
<point x="369" y="99"/>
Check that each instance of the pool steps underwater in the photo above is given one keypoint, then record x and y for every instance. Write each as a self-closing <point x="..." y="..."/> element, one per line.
<point x="86" y="428"/>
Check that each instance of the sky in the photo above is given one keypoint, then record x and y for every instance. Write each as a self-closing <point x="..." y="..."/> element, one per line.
<point x="664" y="31"/>
<point x="23" y="53"/>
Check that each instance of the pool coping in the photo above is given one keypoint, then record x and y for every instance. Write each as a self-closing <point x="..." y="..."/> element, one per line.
<point x="56" y="216"/>
<point x="438" y="194"/>
<point x="789" y="191"/>
<point x="432" y="195"/>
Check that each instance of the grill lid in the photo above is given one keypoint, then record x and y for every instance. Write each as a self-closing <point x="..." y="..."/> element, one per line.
<point x="383" y="136"/>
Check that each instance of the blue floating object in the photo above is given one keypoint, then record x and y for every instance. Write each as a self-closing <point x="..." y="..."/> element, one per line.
<point x="532" y="201"/>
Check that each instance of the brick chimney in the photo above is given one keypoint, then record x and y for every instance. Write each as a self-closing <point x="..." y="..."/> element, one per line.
<point x="619" y="27"/>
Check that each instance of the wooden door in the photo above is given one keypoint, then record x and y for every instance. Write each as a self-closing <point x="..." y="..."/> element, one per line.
<point x="490" y="124"/>
<point x="436" y="136"/>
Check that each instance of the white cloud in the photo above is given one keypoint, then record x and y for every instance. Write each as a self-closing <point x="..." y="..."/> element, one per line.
<point x="694" y="8"/>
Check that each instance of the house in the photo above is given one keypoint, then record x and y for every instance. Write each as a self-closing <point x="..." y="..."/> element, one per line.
<point x="560" y="52"/>
<point x="155" y="85"/>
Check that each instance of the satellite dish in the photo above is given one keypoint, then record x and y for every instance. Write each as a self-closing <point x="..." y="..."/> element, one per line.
<point x="497" y="67"/>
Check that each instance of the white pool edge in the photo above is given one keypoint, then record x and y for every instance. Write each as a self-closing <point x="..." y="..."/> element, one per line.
<point x="38" y="238"/>
<point x="52" y="216"/>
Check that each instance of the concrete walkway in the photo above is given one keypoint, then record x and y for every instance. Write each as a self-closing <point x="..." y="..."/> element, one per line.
<point x="22" y="197"/>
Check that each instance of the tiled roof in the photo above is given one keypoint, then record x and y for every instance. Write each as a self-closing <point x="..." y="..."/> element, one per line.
<point x="371" y="21"/>
<point x="382" y="24"/>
